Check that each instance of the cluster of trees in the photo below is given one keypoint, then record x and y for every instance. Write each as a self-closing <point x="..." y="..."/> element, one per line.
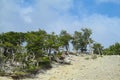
<point x="113" y="49"/>
<point x="29" y="51"/>
<point x="24" y="52"/>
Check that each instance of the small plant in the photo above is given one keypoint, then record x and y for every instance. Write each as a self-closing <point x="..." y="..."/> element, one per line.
<point x="87" y="58"/>
<point x="94" y="56"/>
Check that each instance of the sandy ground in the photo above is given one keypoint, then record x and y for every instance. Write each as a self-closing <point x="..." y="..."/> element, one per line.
<point x="102" y="68"/>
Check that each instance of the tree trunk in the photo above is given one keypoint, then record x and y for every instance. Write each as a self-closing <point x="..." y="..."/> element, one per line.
<point x="90" y="47"/>
<point x="49" y="52"/>
<point x="75" y="51"/>
<point x="98" y="51"/>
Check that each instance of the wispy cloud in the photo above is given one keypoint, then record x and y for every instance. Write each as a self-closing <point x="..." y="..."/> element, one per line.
<point x="25" y="14"/>
<point x="56" y="15"/>
<point x="105" y="29"/>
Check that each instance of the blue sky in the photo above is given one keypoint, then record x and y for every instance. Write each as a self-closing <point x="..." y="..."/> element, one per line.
<point x="102" y="16"/>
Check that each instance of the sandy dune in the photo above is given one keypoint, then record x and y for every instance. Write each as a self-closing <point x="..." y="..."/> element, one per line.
<point x="102" y="68"/>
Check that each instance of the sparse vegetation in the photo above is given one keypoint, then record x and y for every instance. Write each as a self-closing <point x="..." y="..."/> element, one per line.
<point x="87" y="58"/>
<point x="94" y="56"/>
<point x="26" y="53"/>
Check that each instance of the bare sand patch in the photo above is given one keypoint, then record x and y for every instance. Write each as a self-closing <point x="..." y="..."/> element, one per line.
<point x="102" y="68"/>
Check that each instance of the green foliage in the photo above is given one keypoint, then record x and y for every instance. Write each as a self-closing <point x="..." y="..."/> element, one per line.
<point x="85" y="38"/>
<point x="64" y="39"/>
<point x="76" y="40"/>
<point x="15" y="38"/>
<point x="98" y="48"/>
<point x="81" y="39"/>
<point x="17" y="59"/>
<point x="113" y="49"/>
<point x="35" y="42"/>
<point x="31" y="68"/>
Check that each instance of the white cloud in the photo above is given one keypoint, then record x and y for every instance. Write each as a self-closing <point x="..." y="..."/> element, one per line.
<point x="25" y="14"/>
<point x="53" y="15"/>
<point x="105" y="29"/>
<point x="9" y="15"/>
<point x="26" y="11"/>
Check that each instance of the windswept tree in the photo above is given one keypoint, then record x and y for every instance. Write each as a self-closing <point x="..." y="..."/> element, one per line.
<point x="82" y="39"/>
<point x="97" y="48"/>
<point x="10" y="48"/>
<point x="86" y="33"/>
<point x="11" y="43"/>
<point x="52" y="42"/>
<point x="76" y="41"/>
<point x="65" y="39"/>
<point x="35" y="42"/>
<point x="36" y="48"/>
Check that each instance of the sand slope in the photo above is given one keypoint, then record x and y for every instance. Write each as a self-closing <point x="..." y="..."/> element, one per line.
<point x="102" y="68"/>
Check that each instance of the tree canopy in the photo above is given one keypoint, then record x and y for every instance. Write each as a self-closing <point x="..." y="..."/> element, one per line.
<point x="113" y="49"/>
